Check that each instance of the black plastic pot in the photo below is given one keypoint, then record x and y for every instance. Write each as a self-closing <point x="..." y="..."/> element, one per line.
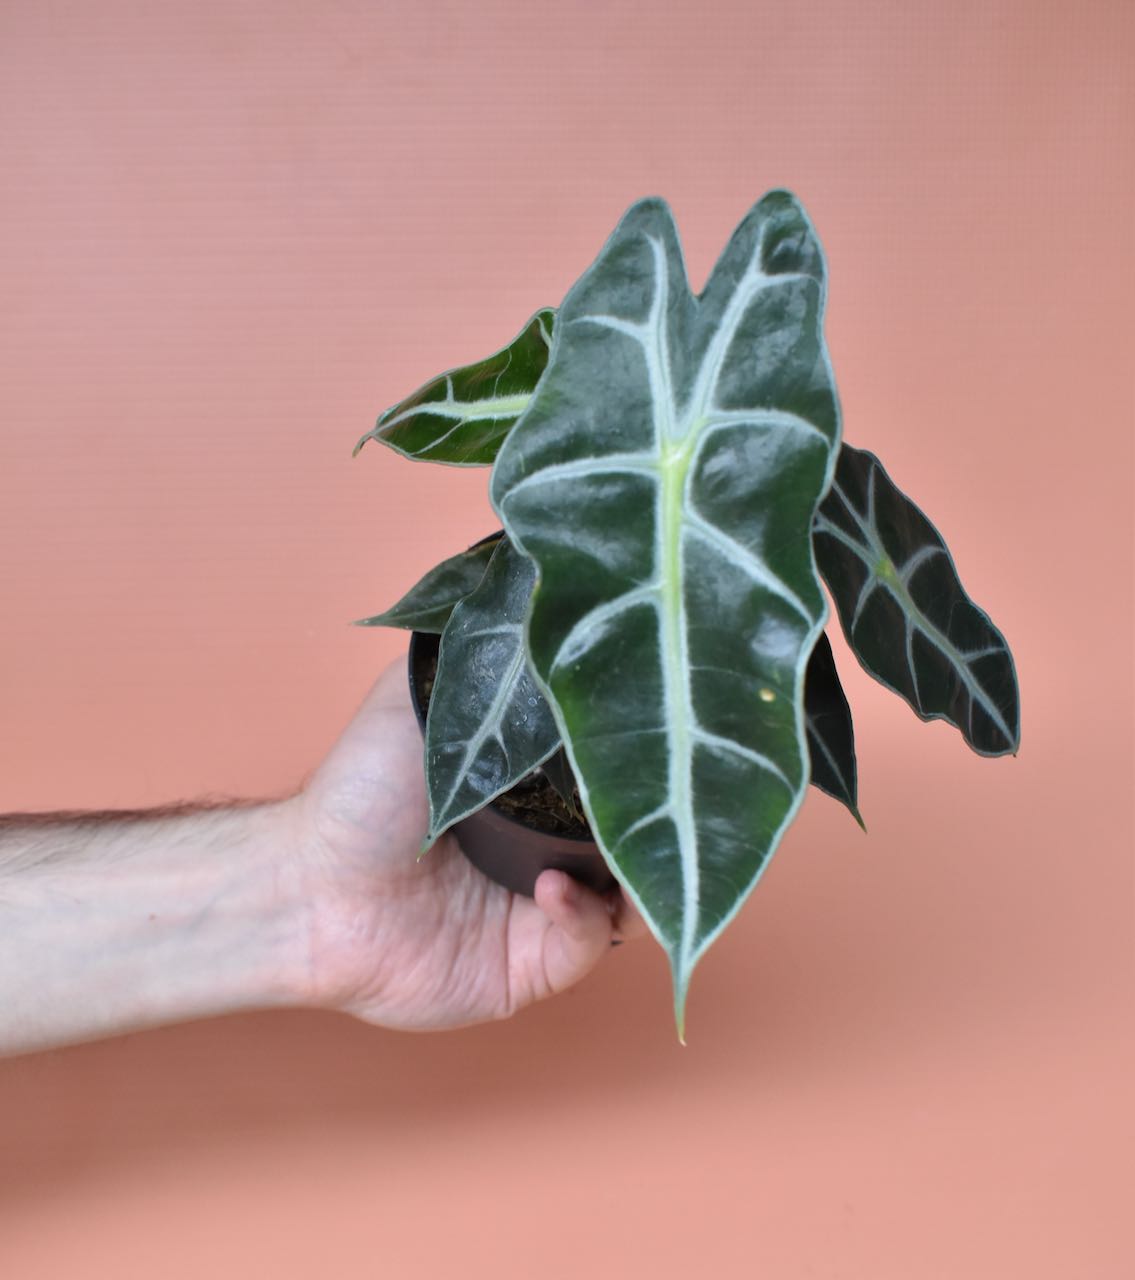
<point x="505" y="849"/>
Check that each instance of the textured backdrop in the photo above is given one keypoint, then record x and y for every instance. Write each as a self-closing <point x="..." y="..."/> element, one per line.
<point x="229" y="234"/>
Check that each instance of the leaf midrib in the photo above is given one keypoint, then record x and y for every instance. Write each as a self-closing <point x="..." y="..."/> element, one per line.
<point x="463" y="410"/>
<point x="674" y="464"/>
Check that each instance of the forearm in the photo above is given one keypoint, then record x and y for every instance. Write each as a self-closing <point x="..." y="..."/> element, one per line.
<point x="114" y="922"/>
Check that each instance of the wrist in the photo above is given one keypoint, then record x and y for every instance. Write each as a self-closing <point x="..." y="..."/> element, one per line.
<point x="340" y="896"/>
<point x="272" y="898"/>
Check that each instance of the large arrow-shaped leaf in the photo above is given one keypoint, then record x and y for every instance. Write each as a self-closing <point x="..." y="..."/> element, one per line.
<point x="462" y="416"/>
<point x="488" y="723"/>
<point x="428" y="604"/>
<point x="904" y="611"/>
<point x="664" y="479"/>
<point x="831" y="736"/>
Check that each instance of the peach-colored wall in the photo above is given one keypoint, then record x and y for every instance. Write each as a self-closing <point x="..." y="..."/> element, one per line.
<point x="229" y="234"/>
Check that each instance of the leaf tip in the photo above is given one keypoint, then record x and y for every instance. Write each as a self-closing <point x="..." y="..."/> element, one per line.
<point x="859" y="818"/>
<point x="681" y="989"/>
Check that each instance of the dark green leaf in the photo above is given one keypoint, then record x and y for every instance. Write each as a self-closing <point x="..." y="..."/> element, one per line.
<point x="488" y="723"/>
<point x="664" y="478"/>
<point x="427" y="606"/>
<point x="904" y="611"/>
<point x="557" y="770"/>
<point x="462" y="416"/>
<point x="831" y="738"/>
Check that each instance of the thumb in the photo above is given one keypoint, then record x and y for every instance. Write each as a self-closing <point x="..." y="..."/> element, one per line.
<point x="576" y="933"/>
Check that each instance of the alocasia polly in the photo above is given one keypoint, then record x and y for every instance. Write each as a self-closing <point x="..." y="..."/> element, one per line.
<point x="671" y="478"/>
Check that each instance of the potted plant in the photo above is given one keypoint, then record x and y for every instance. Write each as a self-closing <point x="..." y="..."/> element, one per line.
<point x="645" y="642"/>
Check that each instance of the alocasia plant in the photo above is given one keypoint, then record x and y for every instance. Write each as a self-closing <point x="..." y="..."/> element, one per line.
<point x="671" y="478"/>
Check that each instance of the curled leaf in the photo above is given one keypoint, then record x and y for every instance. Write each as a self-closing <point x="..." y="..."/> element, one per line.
<point x="831" y="737"/>
<point x="428" y="604"/>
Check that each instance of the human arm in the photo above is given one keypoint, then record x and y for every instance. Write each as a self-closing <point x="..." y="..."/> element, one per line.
<point x="113" y="922"/>
<point x="119" y="920"/>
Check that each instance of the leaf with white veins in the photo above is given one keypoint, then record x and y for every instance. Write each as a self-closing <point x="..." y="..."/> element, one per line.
<point x="488" y="722"/>
<point x="428" y="604"/>
<point x="664" y="478"/>
<point x="462" y="416"/>
<point x="904" y="611"/>
<point x="831" y="737"/>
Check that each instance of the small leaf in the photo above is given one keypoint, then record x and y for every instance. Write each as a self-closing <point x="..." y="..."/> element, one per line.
<point x="831" y="738"/>
<point x="904" y="611"/>
<point x="427" y="606"/>
<point x="558" y="772"/>
<point x="488" y="723"/>
<point x="462" y="416"/>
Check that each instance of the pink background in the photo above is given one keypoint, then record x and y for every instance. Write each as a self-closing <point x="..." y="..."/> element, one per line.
<point x="230" y="234"/>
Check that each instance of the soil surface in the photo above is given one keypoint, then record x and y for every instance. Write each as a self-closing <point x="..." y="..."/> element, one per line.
<point x="533" y="801"/>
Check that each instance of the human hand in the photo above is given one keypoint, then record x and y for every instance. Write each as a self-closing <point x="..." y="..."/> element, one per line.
<point x="429" y="944"/>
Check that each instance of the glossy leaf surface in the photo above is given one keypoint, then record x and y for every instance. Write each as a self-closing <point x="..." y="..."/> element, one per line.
<point x="831" y="736"/>
<point x="664" y="479"/>
<point x="904" y="610"/>
<point x="462" y="416"/>
<point x="488" y="723"/>
<point x="428" y="604"/>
